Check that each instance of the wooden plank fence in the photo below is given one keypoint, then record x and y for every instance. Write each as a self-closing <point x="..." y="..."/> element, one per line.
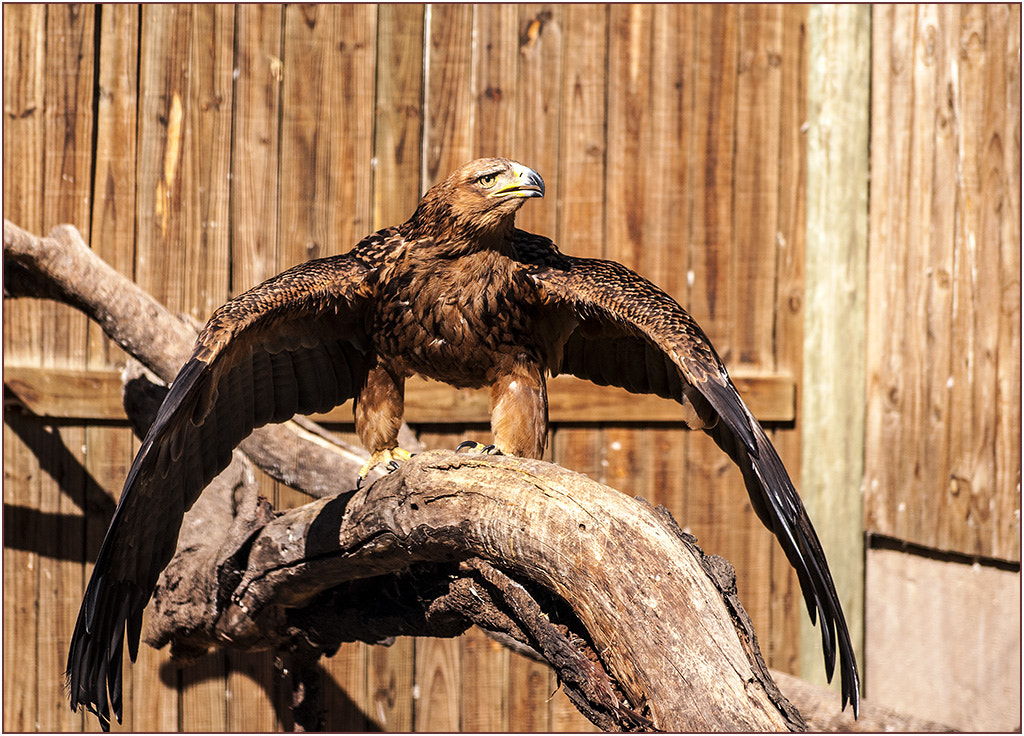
<point x="203" y="148"/>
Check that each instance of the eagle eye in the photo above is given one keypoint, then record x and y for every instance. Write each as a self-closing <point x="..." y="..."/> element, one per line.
<point x="487" y="180"/>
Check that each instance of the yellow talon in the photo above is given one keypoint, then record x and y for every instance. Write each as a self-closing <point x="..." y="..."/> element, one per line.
<point x="385" y="457"/>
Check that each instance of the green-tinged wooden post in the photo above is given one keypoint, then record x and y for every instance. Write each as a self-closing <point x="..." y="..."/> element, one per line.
<point x="839" y="55"/>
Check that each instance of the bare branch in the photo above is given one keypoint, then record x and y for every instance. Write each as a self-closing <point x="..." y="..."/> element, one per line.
<point x="61" y="266"/>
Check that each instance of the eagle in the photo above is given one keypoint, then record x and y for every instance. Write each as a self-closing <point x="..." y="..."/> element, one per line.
<point x="456" y="294"/>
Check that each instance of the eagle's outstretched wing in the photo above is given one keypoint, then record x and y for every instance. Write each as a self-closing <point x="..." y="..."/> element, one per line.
<point x="633" y="335"/>
<point x="293" y="344"/>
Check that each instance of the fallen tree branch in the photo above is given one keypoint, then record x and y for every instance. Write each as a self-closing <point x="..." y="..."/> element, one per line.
<point x="644" y="630"/>
<point x="61" y="266"/>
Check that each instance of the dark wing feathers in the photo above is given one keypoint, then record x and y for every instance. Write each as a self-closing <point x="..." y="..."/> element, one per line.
<point x="633" y="335"/>
<point x="287" y="346"/>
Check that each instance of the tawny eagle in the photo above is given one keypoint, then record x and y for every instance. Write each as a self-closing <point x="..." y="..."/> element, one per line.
<point x="456" y="294"/>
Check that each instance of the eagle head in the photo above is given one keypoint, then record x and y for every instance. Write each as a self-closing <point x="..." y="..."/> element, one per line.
<point x="477" y="204"/>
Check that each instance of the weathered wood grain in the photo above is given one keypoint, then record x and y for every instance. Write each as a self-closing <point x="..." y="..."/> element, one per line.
<point x="74" y="394"/>
<point x="399" y="113"/>
<point x="780" y="632"/>
<point x="495" y="79"/>
<point x="397" y="150"/>
<point x="24" y="99"/>
<point x="66" y="190"/>
<point x="424" y="507"/>
<point x="832" y="415"/>
<point x="113" y="182"/>
<point x="538" y="107"/>
<point x="21" y="575"/>
<point x="944" y="313"/>
<point x="256" y="146"/>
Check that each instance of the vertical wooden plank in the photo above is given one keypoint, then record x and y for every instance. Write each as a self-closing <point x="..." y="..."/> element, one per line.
<point x="711" y="152"/>
<point x="448" y="121"/>
<point x="184" y="131"/>
<point x="538" y="108"/>
<point x="303" y="193"/>
<point x="538" y="122"/>
<point x="326" y="130"/>
<point x="253" y="685"/>
<point x="628" y="124"/>
<point x="326" y="136"/>
<point x="836" y="257"/>
<point x="69" y="95"/>
<point x="305" y="119"/>
<point x="755" y="180"/>
<point x="485" y="678"/>
<point x="891" y="80"/>
<point x="717" y="508"/>
<point x="661" y="252"/>
<point x="67" y="167"/>
<point x="206" y="169"/>
<point x="206" y="174"/>
<point x="396" y="190"/>
<point x="780" y="641"/>
<point x="399" y="113"/>
<point x="753" y="262"/>
<point x="390" y="673"/>
<point x="112" y="235"/>
<point x="346" y="670"/>
<point x="940" y="130"/>
<point x="582" y="135"/>
<point x="495" y="80"/>
<point x="162" y="83"/>
<point x="580" y="229"/>
<point x="436" y="689"/>
<point x="933" y="418"/>
<point x="352" y="111"/>
<point x="1006" y="532"/>
<point x="255" y="146"/>
<point x="24" y="100"/>
<point x="350" y="152"/>
<point x="21" y="570"/>
<point x="24" y="135"/>
<point x="629" y="96"/>
<point x="983" y="516"/>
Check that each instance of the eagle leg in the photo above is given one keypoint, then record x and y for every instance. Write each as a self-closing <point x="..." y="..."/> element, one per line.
<point x="519" y="408"/>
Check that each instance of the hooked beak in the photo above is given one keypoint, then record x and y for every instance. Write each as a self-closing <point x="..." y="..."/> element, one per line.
<point x="525" y="182"/>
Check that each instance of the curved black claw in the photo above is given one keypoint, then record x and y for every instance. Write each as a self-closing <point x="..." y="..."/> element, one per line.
<point x="391" y="459"/>
<point x="477" y="447"/>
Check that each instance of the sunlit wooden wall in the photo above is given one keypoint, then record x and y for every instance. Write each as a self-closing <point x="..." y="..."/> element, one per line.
<point x="201" y="149"/>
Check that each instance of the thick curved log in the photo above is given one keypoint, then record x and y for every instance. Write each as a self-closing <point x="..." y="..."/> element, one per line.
<point x="657" y="642"/>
